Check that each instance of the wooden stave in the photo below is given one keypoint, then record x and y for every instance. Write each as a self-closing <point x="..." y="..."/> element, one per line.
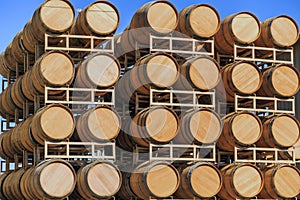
<point x="222" y="41"/>
<point x="185" y="189"/>
<point x="227" y="141"/>
<point x="184" y="22"/>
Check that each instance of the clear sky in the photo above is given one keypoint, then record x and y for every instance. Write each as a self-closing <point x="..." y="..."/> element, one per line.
<point x="15" y="13"/>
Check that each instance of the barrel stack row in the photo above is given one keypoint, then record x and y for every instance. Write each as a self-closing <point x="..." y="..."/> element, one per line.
<point x="158" y="125"/>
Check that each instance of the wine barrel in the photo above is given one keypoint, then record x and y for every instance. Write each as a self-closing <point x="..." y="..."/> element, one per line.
<point x="201" y="72"/>
<point x="279" y="31"/>
<point x="125" y="191"/>
<point x="52" y="123"/>
<point x="17" y="95"/>
<point x="100" y="18"/>
<point x="5" y="148"/>
<point x="11" y="185"/>
<point x="124" y="139"/>
<point x="281" y="131"/>
<point x="4" y="71"/>
<point x="98" y="124"/>
<point x="9" y="60"/>
<point x="50" y="179"/>
<point x="17" y="48"/>
<point x="100" y="70"/>
<point x="157" y="179"/>
<point x="98" y="180"/>
<point x="158" y="125"/>
<point x="281" y="181"/>
<point x="281" y="81"/>
<point x="2" y="180"/>
<point x="201" y="126"/>
<point x="199" y="21"/>
<point x="52" y="69"/>
<point x="240" y="129"/>
<point x="156" y="17"/>
<point x="27" y="86"/>
<point x="241" y="181"/>
<point x="240" y="28"/>
<point x="8" y="108"/>
<point x="53" y="16"/>
<point x="241" y="77"/>
<point x="125" y="45"/>
<point x="201" y="180"/>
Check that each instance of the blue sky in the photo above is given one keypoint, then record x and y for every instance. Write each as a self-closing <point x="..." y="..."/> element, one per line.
<point x="15" y="13"/>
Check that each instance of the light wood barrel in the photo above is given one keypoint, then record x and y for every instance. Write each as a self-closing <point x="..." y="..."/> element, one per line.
<point x="8" y="107"/>
<point x="239" y="28"/>
<point x="50" y="179"/>
<point x="280" y="81"/>
<point x="100" y="70"/>
<point x="201" y="126"/>
<point x="158" y="125"/>
<point x="156" y="17"/>
<point x="201" y="72"/>
<point x="27" y="86"/>
<point x="281" y="131"/>
<point x="52" y="123"/>
<point x="281" y="181"/>
<point x="199" y="21"/>
<point x="9" y="60"/>
<point x="240" y="129"/>
<point x="157" y="179"/>
<point x="201" y="180"/>
<point x="11" y="185"/>
<point x="53" y="16"/>
<point x="98" y="180"/>
<point x="17" y="95"/>
<point x="52" y="69"/>
<point x="100" y="18"/>
<point x="2" y="180"/>
<point x="5" y="149"/>
<point x="242" y="77"/>
<point x="4" y="71"/>
<point x="17" y="48"/>
<point x="98" y="124"/>
<point x="279" y="31"/>
<point x="25" y="184"/>
<point x="241" y="181"/>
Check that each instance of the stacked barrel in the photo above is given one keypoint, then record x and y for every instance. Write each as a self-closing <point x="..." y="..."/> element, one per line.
<point x="132" y="71"/>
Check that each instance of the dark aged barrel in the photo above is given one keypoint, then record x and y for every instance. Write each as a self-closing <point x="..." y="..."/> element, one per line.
<point x="157" y="179"/>
<point x="201" y="72"/>
<point x="280" y="131"/>
<point x="202" y="126"/>
<point x="100" y="70"/>
<point x="240" y="77"/>
<point x="50" y="179"/>
<point x="53" y="16"/>
<point x="281" y="81"/>
<point x="52" y="123"/>
<point x="240" y="129"/>
<point x="2" y="180"/>
<point x="239" y="28"/>
<point x="125" y="191"/>
<point x="279" y="31"/>
<point x="100" y="18"/>
<point x="98" y="180"/>
<point x="199" y="21"/>
<point x="98" y="124"/>
<point x="281" y="181"/>
<point x="201" y="180"/>
<point x="156" y="124"/>
<point x="241" y="181"/>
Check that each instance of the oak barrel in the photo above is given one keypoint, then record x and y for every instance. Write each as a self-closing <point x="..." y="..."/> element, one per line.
<point x="201" y="72"/>
<point x="8" y="58"/>
<point x="201" y="180"/>
<point x="281" y="131"/>
<point x="157" y="179"/>
<point x="279" y="31"/>
<point x="155" y="17"/>
<point x="5" y="145"/>
<point x="201" y="126"/>
<point x="98" y="180"/>
<point x="4" y="71"/>
<point x="240" y="129"/>
<point x="100" y="18"/>
<point x="157" y="124"/>
<point x="241" y="181"/>
<point x="11" y="185"/>
<point x="199" y="21"/>
<point x="2" y="180"/>
<point x="7" y="107"/>
<point x="281" y="181"/>
<point x="241" y="77"/>
<point x="50" y="179"/>
<point x="54" y="122"/>
<point x="281" y="80"/>
<point x="17" y="95"/>
<point x="98" y="124"/>
<point x="17" y="48"/>
<point x="239" y="28"/>
<point x="25" y="184"/>
<point x="125" y="189"/>
<point x="52" y="17"/>
<point x="124" y="139"/>
<point x="100" y="70"/>
<point x="52" y="69"/>
<point x="27" y="86"/>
